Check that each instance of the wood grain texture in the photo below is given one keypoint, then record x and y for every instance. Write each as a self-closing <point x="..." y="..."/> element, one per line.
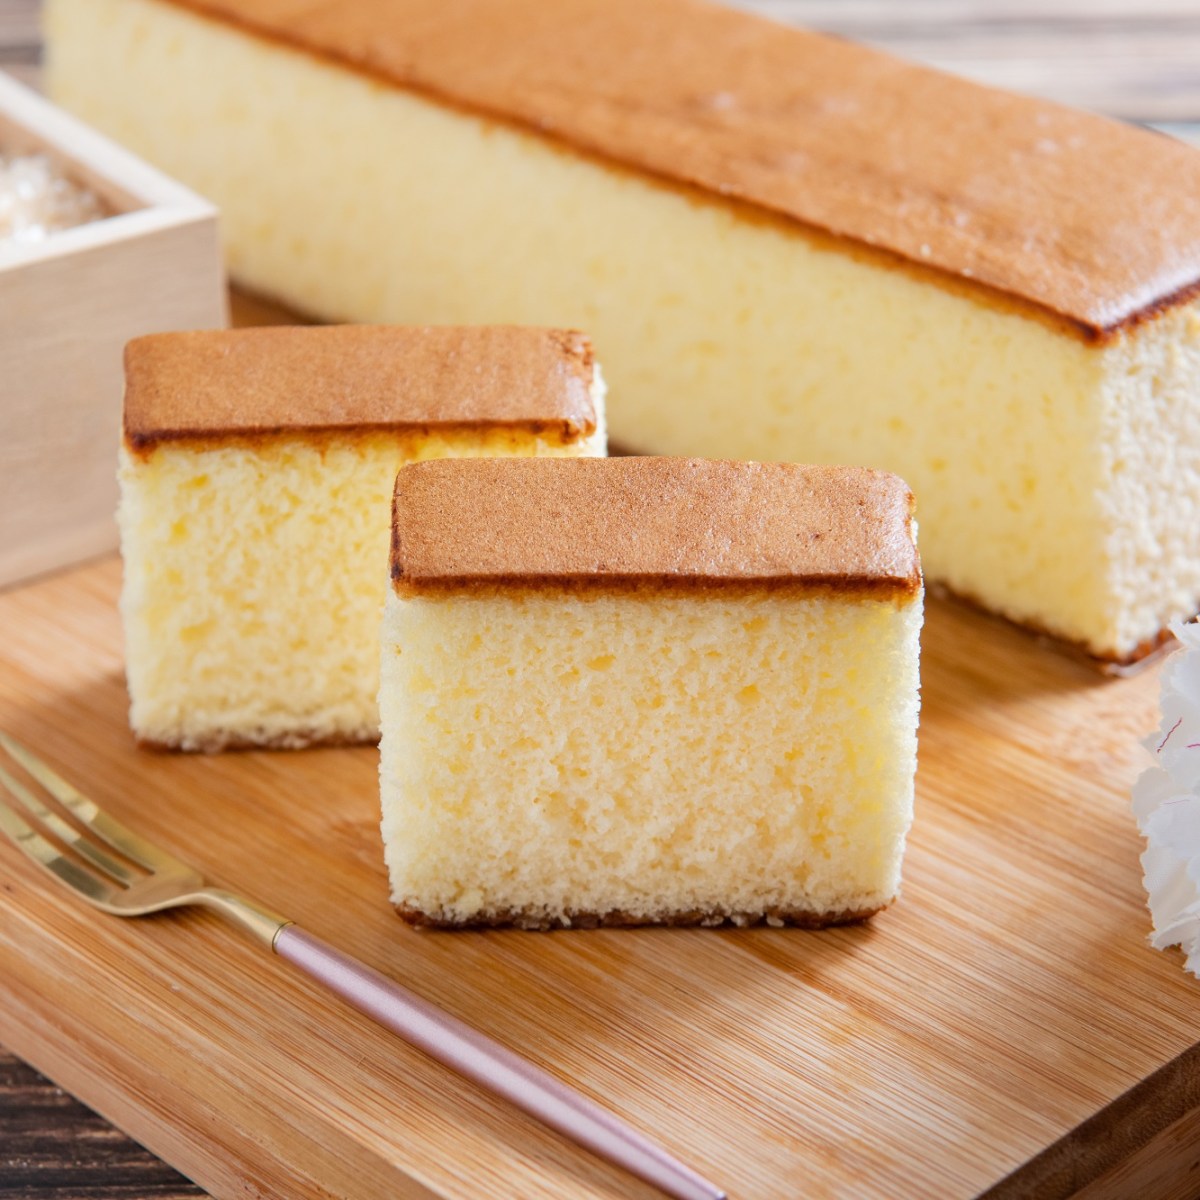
<point x="1166" y="1168"/>
<point x="1006" y="1001"/>
<point x="1140" y="62"/>
<point x="53" y="1148"/>
<point x="20" y="35"/>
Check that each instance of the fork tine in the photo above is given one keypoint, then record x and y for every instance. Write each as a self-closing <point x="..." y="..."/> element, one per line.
<point x="49" y="856"/>
<point x="71" y="837"/>
<point x="89" y="813"/>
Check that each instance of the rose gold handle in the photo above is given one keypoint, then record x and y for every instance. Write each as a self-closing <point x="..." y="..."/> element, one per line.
<point x="490" y="1065"/>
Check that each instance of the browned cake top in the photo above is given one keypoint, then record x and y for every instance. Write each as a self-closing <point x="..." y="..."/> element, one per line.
<point x="231" y="383"/>
<point x="1079" y="216"/>
<point x="658" y="523"/>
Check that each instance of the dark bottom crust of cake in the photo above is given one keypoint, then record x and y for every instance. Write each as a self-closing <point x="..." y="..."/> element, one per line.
<point x="795" y="918"/>
<point x="290" y="741"/>
<point x="1112" y="664"/>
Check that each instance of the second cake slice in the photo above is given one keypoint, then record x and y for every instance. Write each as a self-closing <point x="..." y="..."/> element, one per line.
<point x="648" y="690"/>
<point x="256" y="480"/>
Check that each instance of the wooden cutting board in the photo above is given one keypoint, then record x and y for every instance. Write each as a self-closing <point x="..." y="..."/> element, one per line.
<point x="1004" y="1026"/>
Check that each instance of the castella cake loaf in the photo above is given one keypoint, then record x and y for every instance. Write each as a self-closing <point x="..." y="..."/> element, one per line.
<point x="786" y="247"/>
<point x="257" y="469"/>
<point x="648" y="690"/>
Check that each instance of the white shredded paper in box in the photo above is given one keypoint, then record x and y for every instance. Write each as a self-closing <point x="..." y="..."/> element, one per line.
<point x="37" y="199"/>
<point x="1166" y="803"/>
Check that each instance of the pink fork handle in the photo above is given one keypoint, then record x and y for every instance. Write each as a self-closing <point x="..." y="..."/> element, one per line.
<point x="490" y="1065"/>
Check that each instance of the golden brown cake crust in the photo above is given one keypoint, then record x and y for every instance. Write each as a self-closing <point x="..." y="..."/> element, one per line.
<point x="651" y="524"/>
<point x="218" y="384"/>
<point x="1078" y="216"/>
<point x="798" y="918"/>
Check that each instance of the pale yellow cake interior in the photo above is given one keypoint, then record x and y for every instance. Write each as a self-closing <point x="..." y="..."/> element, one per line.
<point x="546" y="758"/>
<point x="1057" y="480"/>
<point x="254" y="581"/>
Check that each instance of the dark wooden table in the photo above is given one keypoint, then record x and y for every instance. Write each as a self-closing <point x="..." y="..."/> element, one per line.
<point x="1140" y="61"/>
<point x="52" y="1146"/>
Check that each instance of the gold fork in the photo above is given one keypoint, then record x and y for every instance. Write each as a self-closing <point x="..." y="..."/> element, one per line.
<point x="123" y="874"/>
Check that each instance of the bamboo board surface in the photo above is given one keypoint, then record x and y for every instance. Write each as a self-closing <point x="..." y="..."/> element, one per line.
<point x="1008" y="998"/>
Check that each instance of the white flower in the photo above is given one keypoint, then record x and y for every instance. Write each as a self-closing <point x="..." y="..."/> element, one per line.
<point x="1166" y="803"/>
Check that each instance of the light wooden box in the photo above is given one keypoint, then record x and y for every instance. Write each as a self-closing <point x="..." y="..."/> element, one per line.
<point x="67" y="307"/>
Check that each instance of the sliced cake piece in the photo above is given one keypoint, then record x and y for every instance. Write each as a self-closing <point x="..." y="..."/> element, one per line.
<point x="786" y="246"/>
<point x="256" y="481"/>
<point x="648" y="690"/>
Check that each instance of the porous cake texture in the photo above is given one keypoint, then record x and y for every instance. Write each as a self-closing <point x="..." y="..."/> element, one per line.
<point x="648" y="690"/>
<point x="787" y="247"/>
<point x="256" y="474"/>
